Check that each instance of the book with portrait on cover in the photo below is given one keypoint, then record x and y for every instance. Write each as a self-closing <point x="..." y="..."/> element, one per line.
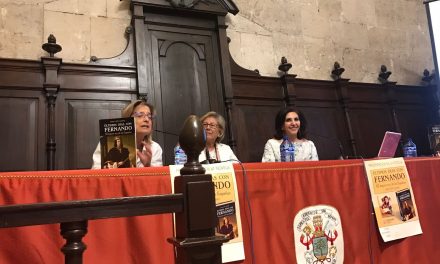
<point x="118" y="143"/>
<point x="227" y="207"/>
<point x="406" y="204"/>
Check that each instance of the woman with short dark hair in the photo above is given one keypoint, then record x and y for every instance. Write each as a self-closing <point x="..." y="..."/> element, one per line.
<point x="290" y="123"/>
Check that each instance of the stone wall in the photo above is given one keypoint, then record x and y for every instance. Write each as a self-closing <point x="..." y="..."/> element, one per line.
<point x="360" y="34"/>
<point x="83" y="28"/>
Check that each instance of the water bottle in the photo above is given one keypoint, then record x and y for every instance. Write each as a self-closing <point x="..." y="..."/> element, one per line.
<point x="287" y="150"/>
<point x="179" y="155"/>
<point x="409" y="149"/>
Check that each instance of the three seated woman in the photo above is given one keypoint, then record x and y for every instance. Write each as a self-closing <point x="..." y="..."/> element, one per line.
<point x="290" y="123"/>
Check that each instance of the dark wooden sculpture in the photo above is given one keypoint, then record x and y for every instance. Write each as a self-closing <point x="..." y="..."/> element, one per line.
<point x="428" y="78"/>
<point x="286" y="81"/>
<point x="192" y="140"/>
<point x="51" y="46"/>
<point x="196" y="226"/>
<point x="284" y="65"/>
<point x="337" y="71"/>
<point x="384" y="74"/>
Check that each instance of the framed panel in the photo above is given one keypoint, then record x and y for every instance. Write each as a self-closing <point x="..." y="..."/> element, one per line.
<point x="414" y="122"/>
<point x="369" y="125"/>
<point x="327" y="129"/>
<point x="23" y="131"/>
<point x="253" y="124"/>
<point x="185" y="81"/>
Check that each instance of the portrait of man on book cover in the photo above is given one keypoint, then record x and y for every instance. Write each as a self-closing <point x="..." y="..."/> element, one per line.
<point x="118" y="156"/>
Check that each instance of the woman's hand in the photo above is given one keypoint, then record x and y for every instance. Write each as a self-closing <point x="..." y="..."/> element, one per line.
<point x="145" y="155"/>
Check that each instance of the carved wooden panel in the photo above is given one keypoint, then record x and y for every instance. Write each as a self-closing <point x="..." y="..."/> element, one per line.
<point x="23" y="133"/>
<point x="254" y="124"/>
<point x="414" y="122"/>
<point x="369" y="125"/>
<point x="327" y="129"/>
<point x="185" y="73"/>
<point x="256" y="100"/>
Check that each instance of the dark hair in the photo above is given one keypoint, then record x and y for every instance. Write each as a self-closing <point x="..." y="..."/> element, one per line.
<point x="281" y="117"/>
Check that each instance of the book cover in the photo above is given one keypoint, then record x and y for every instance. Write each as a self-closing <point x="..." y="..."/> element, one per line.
<point x="118" y="143"/>
<point x="227" y="220"/>
<point x="434" y="138"/>
<point x="386" y="204"/>
<point x="227" y="207"/>
<point x="389" y="144"/>
<point x="392" y="197"/>
<point x="406" y="205"/>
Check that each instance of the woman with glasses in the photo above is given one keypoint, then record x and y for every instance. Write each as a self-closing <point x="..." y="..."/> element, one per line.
<point x="148" y="152"/>
<point x="214" y="125"/>
<point x="290" y="123"/>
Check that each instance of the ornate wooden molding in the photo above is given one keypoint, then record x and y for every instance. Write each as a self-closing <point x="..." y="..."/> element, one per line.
<point x="51" y="87"/>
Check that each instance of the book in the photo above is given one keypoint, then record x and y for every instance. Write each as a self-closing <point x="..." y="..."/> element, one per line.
<point x="389" y="144"/>
<point x="227" y="207"/>
<point x="434" y="138"/>
<point x="118" y="143"/>
<point x="385" y="205"/>
<point x="406" y="204"/>
<point x="227" y="220"/>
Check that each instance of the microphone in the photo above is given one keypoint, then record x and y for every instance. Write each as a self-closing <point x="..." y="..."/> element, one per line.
<point x="341" y="150"/>
<point x="165" y="132"/>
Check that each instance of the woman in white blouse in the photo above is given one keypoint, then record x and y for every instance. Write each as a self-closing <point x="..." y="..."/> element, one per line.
<point x="214" y="125"/>
<point x="148" y="153"/>
<point x="290" y="123"/>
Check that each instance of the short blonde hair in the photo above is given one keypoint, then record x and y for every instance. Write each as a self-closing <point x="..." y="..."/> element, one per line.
<point x="221" y="123"/>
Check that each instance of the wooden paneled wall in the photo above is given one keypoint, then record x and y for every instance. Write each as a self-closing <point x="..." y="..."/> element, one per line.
<point x="177" y="58"/>
<point x="85" y="94"/>
<point x="342" y="116"/>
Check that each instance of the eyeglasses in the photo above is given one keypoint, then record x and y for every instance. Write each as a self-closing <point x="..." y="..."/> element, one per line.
<point x="207" y="125"/>
<point x="143" y="115"/>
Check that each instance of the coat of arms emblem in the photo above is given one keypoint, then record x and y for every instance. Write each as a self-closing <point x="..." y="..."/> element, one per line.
<point x="318" y="235"/>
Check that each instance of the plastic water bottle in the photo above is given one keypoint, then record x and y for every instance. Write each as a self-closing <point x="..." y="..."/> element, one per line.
<point x="287" y="150"/>
<point x="179" y="155"/>
<point x="409" y="149"/>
